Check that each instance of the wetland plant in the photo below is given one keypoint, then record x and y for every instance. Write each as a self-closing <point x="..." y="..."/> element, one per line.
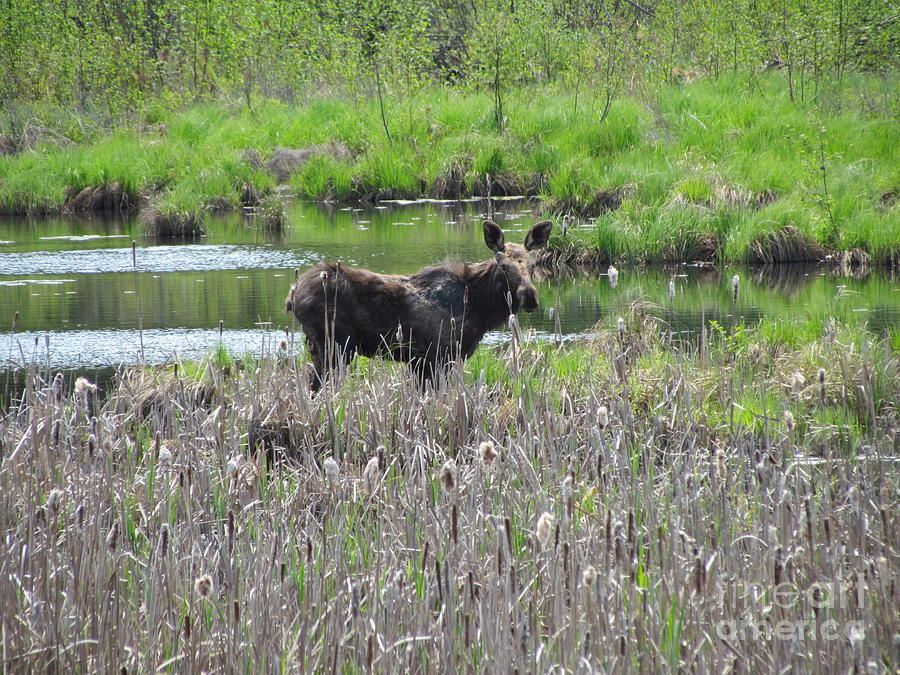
<point x="701" y="528"/>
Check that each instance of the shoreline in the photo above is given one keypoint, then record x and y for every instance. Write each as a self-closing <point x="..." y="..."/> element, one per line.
<point x="759" y="179"/>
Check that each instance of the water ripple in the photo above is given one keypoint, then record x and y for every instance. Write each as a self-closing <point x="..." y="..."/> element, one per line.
<point x="178" y="258"/>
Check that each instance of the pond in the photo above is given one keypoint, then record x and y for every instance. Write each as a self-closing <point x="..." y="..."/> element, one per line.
<point x="86" y="302"/>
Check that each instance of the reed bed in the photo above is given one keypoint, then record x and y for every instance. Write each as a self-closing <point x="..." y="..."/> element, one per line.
<point x="634" y="503"/>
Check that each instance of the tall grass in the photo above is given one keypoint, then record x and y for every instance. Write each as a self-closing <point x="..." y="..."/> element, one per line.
<point x="747" y="155"/>
<point x="141" y="532"/>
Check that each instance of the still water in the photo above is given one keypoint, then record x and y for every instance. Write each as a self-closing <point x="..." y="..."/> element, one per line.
<point x="87" y="301"/>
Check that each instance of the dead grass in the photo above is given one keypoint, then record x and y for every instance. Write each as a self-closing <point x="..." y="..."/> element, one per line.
<point x="107" y="197"/>
<point x="785" y="245"/>
<point x="142" y="532"/>
<point x="177" y="225"/>
<point x="283" y="162"/>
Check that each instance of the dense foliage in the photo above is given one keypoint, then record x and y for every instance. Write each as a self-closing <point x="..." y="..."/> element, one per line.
<point x="115" y="55"/>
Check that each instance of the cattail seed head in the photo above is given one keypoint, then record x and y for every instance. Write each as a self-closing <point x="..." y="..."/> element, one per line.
<point x="567" y="489"/>
<point x="672" y="288"/>
<point x="448" y="475"/>
<point x="488" y="453"/>
<point x="112" y="539"/>
<point x="332" y="470"/>
<point x="721" y="467"/>
<point x="613" y="275"/>
<point x="821" y="376"/>
<point x="54" y="500"/>
<point x="796" y="382"/>
<point x="589" y="576"/>
<point x="789" y="421"/>
<point x="283" y="345"/>
<point x="163" y="547"/>
<point x="602" y="417"/>
<point x="620" y="324"/>
<point x="84" y="387"/>
<point x="165" y="455"/>
<point x="203" y="586"/>
<point x="234" y="465"/>
<point x="372" y="474"/>
<point x="544" y="528"/>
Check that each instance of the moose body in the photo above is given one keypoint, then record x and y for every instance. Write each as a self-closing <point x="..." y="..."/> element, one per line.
<point x="427" y="319"/>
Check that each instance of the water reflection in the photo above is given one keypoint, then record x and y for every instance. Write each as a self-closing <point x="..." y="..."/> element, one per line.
<point x="75" y="281"/>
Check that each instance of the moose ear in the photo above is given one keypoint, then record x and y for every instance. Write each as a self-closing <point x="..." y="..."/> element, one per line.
<point x="538" y="235"/>
<point x="493" y="236"/>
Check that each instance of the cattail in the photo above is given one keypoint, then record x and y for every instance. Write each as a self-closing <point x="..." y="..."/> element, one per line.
<point x="567" y="489"/>
<point x="672" y="288"/>
<point x="544" y="528"/>
<point x="332" y="470"/>
<point x="565" y="225"/>
<point x="488" y="453"/>
<point x="221" y="328"/>
<point x="448" y="475"/>
<point x="620" y="324"/>
<point x="112" y="539"/>
<point x="234" y="465"/>
<point x="84" y="386"/>
<point x="84" y="394"/>
<point x="613" y="274"/>
<point x="283" y="345"/>
<point x="203" y="586"/>
<point x="514" y="328"/>
<point x="163" y="548"/>
<point x="602" y="417"/>
<point x="165" y="455"/>
<point x="371" y="474"/>
<point x="821" y="376"/>
<point x="54" y="500"/>
<point x="796" y="382"/>
<point x="735" y="285"/>
<point x="721" y="468"/>
<point x="789" y="421"/>
<point x="588" y="576"/>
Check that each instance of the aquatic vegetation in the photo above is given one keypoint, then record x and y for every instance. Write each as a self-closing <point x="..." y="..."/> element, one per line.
<point x="600" y="493"/>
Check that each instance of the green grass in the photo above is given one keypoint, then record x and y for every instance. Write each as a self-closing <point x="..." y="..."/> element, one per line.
<point x="709" y="160"/>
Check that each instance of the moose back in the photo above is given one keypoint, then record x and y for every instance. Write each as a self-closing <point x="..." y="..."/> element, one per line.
<point x="427" y="319"/>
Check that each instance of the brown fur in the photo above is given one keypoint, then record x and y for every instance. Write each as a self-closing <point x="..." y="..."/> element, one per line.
<point x="427" y="319"/>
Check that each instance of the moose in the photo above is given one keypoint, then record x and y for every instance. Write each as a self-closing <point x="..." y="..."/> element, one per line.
<point x="427" y="319"/>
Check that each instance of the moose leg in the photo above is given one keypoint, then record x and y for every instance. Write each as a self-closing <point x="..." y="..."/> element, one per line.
<point x="325" y="358"/>
<point x="319" y="372"/>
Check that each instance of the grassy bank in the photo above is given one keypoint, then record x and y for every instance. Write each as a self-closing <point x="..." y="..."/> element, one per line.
<point x="728" y="169"/>
<point x="141" y="533"/>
